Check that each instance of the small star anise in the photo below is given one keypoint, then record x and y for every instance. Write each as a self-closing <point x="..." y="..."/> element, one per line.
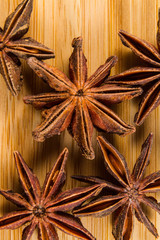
<point x="46" y="208"/>
<point x="79" y="103"/>
<point x="128" y="191"/>
<point x="12" y="47"/>
<point x="147" y="77"/>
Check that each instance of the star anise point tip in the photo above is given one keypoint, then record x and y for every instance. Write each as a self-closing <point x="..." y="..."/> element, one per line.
<point x="38" y="136"/>
<point x="89" y="156"/>
<point x="150" y="135"/>
<point x="77" y="42"/>
<point x="129" y="131"/>
<point x="99" y="138"/>
<point x="16" y="153"/>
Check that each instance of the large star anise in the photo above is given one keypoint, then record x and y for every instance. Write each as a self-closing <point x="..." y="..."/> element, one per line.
<point x="79" y="103"/>
<point x="143" y="76"/>
<point x="129" y="191"/>
<point x="13" y="47"/>
<point x="46" y="208"/>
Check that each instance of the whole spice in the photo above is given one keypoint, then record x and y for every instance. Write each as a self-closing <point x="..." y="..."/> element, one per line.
<point x="79" y="103"/>
<point x="148" y="77"/>
<point x="46" y="208"/>
<point x="13" y="46"/>
<point x="129" y="191"/>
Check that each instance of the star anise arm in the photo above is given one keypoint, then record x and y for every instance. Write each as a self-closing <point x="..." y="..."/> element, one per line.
<point x="141" y="48"/>
<point x="115" y="162"/>
<point x="146" y="221"/>
<point x="151" y="202"/>
<point x="70" y="199"/>
<point x="138" y="217"/>
<point x="69" y="224"/>
<point x="105" y="119"/>
<point x="102" y="206"/>
<point x="101" y="73"/>
<point x="56" y="177"/>
<point x="143" y="160"/>
<point x="17" y="23"/>
<point x="81" y="128"/>
<point x="94" y="180"/>
<point x="15" y="198"/>
<point x="112" y="93"/>
<point x="77" y="64"/>
<point x="123" y="224"/>
<point x="89" y="179"/>
<point x="128" y="224"/>
<point x="151" y="183"/>
<point x="28" y="231"/>
<point x="137" y="76"/>
<point x="53" y="76"/>
<point x="57" y="119"/>
<point x="46" y="100"/>
<point x="16" y="219"/>
<point x="42" y="232"/>
<point x="28" y="180"/>
<point x="51" y="231"/>
<point x="46" y="231"/>
<point x="28" y="47"/>
<point x="150" y="101"/>
<point x="10" y="68"/>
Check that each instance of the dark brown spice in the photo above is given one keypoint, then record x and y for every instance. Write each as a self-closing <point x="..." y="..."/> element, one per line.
<point x="46" y="208"/>
<point x="13" y="46"/>
<point x="78" y="103"/>
<point x="148" y="77"/>
<point x="128" y="191"/>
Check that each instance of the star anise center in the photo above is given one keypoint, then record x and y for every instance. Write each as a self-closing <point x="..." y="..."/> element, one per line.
<point x="39" y="211"/>
<point x="132" y="193"/>
<point x="79" y="93"/>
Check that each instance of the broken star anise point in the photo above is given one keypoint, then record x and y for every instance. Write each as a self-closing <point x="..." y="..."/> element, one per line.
<point x="79" y="103"/>
<point x="48" y="207"/>
<point x="13" y="46"/>
<point x="127" y="192"/>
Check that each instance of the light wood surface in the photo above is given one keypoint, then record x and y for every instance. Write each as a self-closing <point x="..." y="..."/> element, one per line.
<point x="55" y="23"/>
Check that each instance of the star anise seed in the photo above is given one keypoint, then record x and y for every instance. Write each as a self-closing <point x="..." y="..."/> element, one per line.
<point x="79" y="103"/>
<point x="128" y="191"/>
<point x="46" y="208"/>
<point x="13" y="46"/>
<point x="148" y="77"/>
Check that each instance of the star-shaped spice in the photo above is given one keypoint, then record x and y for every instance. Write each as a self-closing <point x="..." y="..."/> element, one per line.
<point x="46" y="208"/>
<point x="79" y="103"/>
<point x="128" y="191"/>
<point x="13" y="46"/>
<point x="148" y="77"/>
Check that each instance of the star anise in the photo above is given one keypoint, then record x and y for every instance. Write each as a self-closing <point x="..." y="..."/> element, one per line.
<point x="148" y="77"/>
<point x="46" y="208"/>
<point x="12" y="47"/>
<point x="128" y="191"/>
<point x="79" y="103"/>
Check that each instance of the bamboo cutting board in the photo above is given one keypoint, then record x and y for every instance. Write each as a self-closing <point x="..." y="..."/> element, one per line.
<point x="55" y="23"/>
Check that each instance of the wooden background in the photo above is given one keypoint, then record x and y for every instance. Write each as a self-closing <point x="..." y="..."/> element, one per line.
<point x="55" y="23"/>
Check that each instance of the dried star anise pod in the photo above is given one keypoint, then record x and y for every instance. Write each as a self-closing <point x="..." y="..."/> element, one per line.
<point x="128" y="191"/>
<point x="79" y="103"/>
<point x="13" y="46"/>
<point x="46" y="208"/>
<point x="148" y="77"/>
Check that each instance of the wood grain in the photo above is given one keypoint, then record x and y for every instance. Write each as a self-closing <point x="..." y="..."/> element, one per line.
<point x="55" y="23"/>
